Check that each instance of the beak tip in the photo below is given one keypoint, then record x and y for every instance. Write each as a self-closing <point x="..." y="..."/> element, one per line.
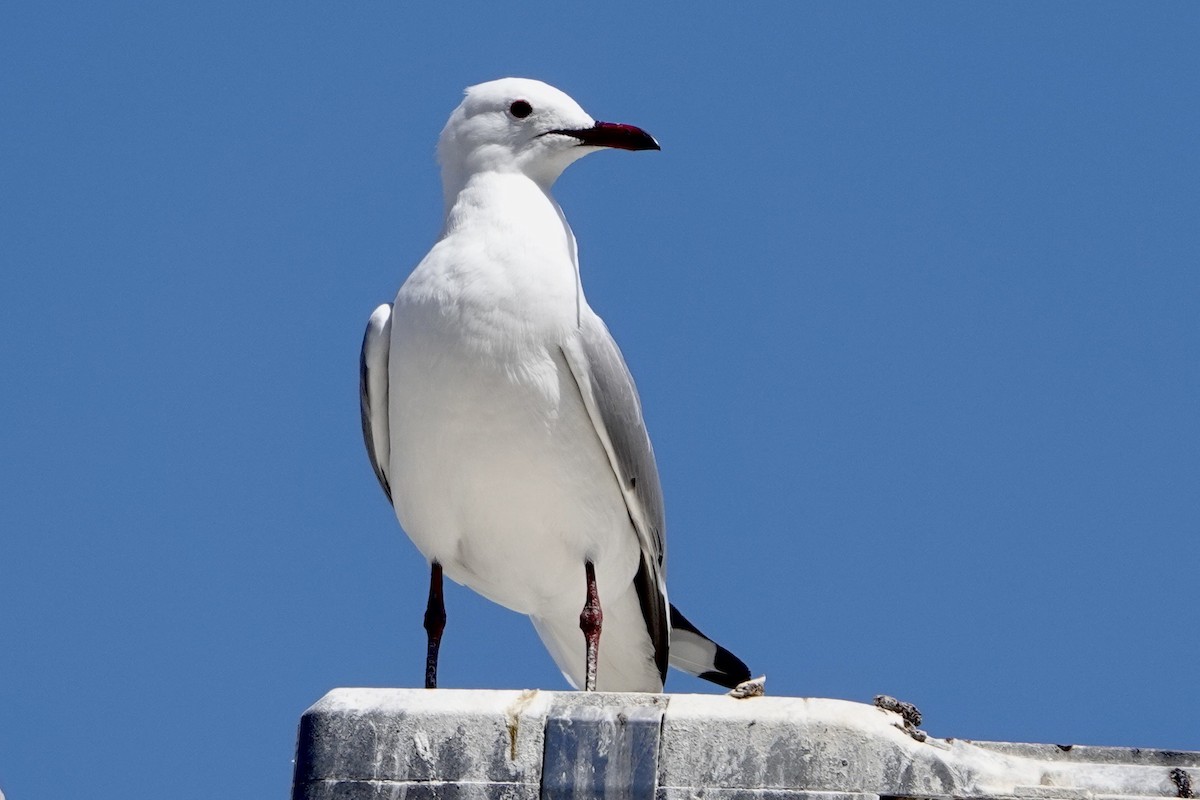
<point x="615" y="135"/>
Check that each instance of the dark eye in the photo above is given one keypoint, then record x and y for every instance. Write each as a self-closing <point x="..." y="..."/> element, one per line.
<point x="520" y="109"/>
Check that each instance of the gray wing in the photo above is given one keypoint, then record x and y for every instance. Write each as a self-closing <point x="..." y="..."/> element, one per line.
<point x="373" y="392"/>
<point x="612" y="403"/>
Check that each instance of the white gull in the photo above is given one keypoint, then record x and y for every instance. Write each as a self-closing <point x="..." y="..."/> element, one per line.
<point x="502" y="421"/>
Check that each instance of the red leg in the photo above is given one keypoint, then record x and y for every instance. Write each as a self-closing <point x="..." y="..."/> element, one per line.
<point x="590" y="620"/>
<point x="435" y="623"/>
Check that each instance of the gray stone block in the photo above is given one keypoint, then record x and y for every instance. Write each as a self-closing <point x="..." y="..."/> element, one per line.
<point x="446" y="743"/>
<point x="602" y="747"/>
<point x="377" y="743"/>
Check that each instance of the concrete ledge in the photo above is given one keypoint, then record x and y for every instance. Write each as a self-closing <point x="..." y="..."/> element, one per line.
<point x="446" y="743"/>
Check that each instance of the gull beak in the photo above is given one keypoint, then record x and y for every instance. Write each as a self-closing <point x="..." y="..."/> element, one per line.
<point x="613" y="134"/>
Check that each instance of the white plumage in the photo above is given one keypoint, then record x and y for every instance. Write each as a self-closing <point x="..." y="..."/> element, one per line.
<point x="499" y="414"/>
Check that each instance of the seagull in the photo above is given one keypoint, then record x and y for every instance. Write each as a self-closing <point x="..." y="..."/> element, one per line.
<point x="502" y="421"/>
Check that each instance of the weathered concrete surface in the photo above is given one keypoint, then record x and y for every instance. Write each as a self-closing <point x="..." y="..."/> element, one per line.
<point x="422" y="743"/>
<point x="415" y="743"/>
<point x="602" y="746"/>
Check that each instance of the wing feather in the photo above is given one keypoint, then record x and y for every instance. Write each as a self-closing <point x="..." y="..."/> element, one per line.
<point x="612" y="402"/>
<point x="373" y="392"/>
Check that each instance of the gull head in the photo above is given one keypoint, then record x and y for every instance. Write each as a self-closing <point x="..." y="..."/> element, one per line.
<point x="524" y="126"/>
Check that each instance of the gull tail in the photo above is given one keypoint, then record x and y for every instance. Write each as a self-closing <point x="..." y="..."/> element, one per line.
<point x="696" y="654"/>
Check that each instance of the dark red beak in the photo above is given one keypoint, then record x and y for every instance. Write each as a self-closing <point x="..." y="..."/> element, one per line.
<point x="613" y="134"/>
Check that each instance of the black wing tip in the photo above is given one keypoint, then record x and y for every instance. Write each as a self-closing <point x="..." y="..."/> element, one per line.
<point x="728" y="670"/>
<point x="678" y="620"/>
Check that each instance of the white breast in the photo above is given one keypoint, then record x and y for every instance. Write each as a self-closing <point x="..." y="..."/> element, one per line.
<point x="496" y="470"/>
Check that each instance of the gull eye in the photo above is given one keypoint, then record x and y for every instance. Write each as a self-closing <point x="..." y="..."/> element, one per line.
<point x="520" y="109"/>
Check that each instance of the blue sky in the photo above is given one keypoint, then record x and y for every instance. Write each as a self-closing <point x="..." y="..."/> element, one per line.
<point x="911" y="295"/>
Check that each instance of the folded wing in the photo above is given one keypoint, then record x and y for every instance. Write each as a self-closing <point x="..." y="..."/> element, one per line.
<point x="373" y="392"/>
<point x="612" y="403"/>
